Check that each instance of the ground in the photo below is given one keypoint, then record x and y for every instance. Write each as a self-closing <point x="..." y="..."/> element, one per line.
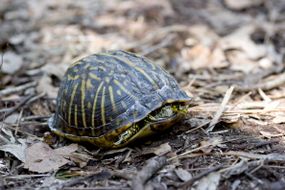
<point x="227" y="55"/>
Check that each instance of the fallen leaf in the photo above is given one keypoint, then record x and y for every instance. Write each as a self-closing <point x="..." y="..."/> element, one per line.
<point x="201" y="56"/>
<point x="280" y="118"/>
<point x="7" y="134"/>
<point x="242" y="4"/>
<point x="236" y="169"/>
<point x="240" y="61"/>
<point x="41" y="158"/>
<point x="17" y="150"/>
<point x="210" y="182"/>
<point x="240" y="40"/>
<point x="269" y="135"/>
<point x="12" y="119"/>
<point x="38" y="108"/>
<point x="69" y="152"/>
<point x="66" y="150"/>
<point x="159" y="150"/>
<point x="182" y="174"/>
<point x="209" y="144"/>
<point x="11" y="63"/>
<point x="162" y="149"/>
<point x="80" y="159"/>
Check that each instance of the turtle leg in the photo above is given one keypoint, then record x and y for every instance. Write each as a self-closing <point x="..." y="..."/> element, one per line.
<point x="125" y="136"/>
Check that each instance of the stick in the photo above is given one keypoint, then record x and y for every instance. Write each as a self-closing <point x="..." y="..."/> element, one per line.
<point x="13" y="90"/>
<point x="220" y="111"/>
<point x="190" y="182"/>
<point x="23" y="102"/>
<point x="152" y="166"/>
<point x="265" y="85"/>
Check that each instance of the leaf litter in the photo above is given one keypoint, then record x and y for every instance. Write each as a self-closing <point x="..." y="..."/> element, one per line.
<point x="209" y="46"/>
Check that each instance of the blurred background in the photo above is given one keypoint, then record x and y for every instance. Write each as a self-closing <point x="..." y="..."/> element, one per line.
<point x="207" y="45"/>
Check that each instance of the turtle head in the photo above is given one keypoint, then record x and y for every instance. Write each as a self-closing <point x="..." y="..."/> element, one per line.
<point x="157" y="121"/>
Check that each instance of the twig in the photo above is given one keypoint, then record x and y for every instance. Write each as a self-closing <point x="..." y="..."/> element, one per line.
<point x="221" y="109"/>
<point x="13" y="128"/>
<point x="2" y="61"/>
<point x="94" y="177"/>
<point x="35" y="117"/>
<point x="152" y="166"/>
<point x="193" y="150"/>
<point x="16" y="89"/>
<point x="36" y="97"/>
<point x="190" y="182"/>
<point x="25" y="176"/>
<point x="265" y="85"/>
<point x="198" y="127"/>
<point x="23" y="102"/>
<point x="97" y="188"/>
<point x="18" y="122"/>
<point x="270" y="157"/>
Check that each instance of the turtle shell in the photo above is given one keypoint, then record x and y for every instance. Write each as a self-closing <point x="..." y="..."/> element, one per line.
<point x="106" y="92"/>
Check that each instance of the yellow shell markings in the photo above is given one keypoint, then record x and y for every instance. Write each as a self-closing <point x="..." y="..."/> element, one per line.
<point x="124" y="89"/>
<point x="71" y="102"/>
<point x="112" y="98"/>
<point x="95" y="103"/>
<point x="89" y="84"/>
<point x="89" y="106"/>
<point x="71" y="77"/>
<point x="119" y="92"/>
<point x="133" y="66"/>
<point x="103" y="107"/>
<point x="107" y="79"/>
<point x="144" y="59"/>
<point x="83" y="85"/>
<point x="94" y="76"/>
<point x="102" y="68"/>
<point x="75" y="116"/>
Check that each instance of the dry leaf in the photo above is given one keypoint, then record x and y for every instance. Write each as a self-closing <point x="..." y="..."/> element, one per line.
<point x="66" y="150"/>
<point x="12" y="119"/>
<point x="240" y="40"/>
<point x="182" y="174"/>
<point x="209" y="144"/>
<point x="159" y="150"/>
<point x="279" y="119"/>
<point x="201" y="56"/>
<point x="80" y="159"/>
<point x="41" y="158"/>
<point x="242" y="4"/>
<point x="17" y="150"/>
<point x="240" y="62"/>
<point x="11" y="63"/>
<point x="269" y="135"/>
<point x="69" y="152"/>
<point x="162" y="149"/>
<point x="210" y="182"/>
<point x="38" y="108"/>
<point x="236" y="169"/>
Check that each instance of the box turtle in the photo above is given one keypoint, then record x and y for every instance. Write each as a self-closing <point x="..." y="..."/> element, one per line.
<point x="110" y="99"/>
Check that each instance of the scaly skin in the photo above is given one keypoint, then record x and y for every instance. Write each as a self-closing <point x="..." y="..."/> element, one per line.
<point x="153" y="123"/>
